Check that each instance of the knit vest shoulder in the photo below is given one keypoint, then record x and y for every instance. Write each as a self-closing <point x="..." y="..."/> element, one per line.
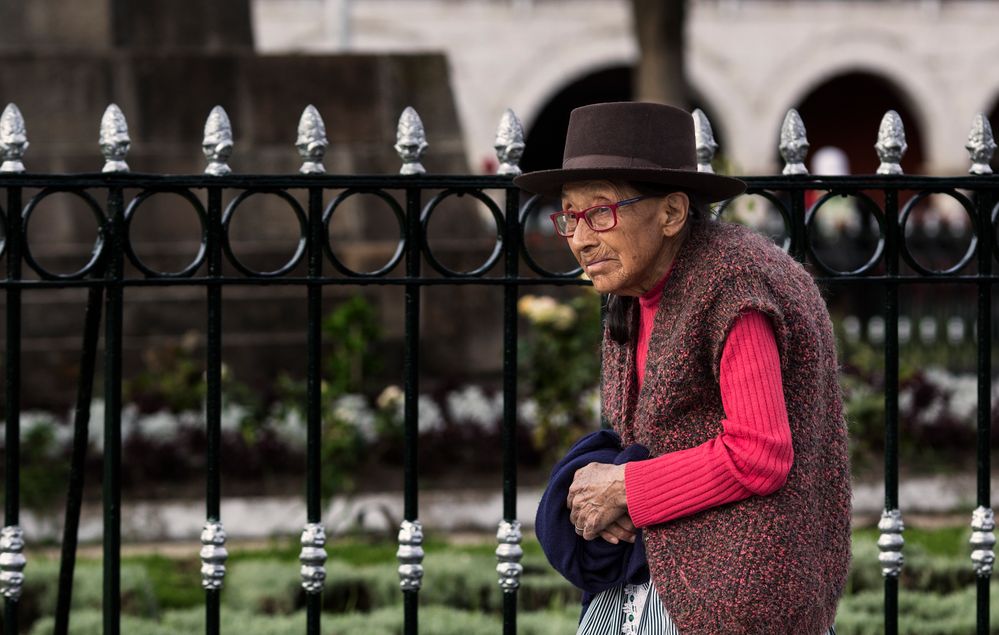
<point x="768" y="564"/>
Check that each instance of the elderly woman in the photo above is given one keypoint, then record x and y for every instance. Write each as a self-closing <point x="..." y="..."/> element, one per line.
<point x="719" y="364"/>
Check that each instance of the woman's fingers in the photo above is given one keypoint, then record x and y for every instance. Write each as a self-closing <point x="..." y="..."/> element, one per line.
<point x="625" y="522"/>
<point x="615" y="533"/>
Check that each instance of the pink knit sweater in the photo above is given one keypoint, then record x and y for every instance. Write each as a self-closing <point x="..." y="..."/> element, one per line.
<point x="752" y="455"/>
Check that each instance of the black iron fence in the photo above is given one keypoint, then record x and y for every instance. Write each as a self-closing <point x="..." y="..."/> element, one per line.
<point x="889" y="202"/>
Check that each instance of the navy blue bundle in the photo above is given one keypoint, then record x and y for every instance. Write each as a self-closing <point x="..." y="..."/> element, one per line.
<point x="591" y="565"/>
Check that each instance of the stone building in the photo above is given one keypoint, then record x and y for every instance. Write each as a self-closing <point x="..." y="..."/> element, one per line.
<point x="842" y="63"/>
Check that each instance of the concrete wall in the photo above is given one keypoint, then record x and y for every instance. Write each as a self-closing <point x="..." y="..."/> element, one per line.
<point x="166" y="97"/>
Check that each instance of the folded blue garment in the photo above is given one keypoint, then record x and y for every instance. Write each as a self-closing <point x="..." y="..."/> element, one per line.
<point x="591" y="565"/>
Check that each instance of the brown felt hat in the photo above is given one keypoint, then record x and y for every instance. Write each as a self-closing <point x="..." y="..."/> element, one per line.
<point x="632" y="141"/>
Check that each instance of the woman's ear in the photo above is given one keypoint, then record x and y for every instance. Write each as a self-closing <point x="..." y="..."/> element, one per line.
<point x="677" y="210"/>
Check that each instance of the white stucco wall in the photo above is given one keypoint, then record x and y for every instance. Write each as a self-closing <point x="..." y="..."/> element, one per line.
<point x="751" y="60"/>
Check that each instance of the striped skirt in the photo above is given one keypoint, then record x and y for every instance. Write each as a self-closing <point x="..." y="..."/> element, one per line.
<point x="631" y="609"/>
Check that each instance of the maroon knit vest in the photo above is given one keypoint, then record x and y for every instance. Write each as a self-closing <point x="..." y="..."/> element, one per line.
<point x="767" y="565"/>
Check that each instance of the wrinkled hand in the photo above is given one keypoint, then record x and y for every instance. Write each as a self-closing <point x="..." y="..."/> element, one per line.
<point x="621" y="529"/>
<point x="597" y="498"/>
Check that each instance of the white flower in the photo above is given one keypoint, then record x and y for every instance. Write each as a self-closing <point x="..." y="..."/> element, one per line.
<point x="129" y="418"/>
<point x="470" y="404"/>
<point x="429" y="415"/>
<point x="232" y="416"/>
<point x="527" y="412"/>
<point x="354" y="411"/>
<point x="160" y="426"/>
<point x="289" y="426"/>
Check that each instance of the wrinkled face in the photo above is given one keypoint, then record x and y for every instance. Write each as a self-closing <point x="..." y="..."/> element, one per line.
<point x="633" y="256"/>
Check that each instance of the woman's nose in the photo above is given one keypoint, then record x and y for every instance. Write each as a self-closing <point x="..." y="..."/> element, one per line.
<point x="583" y="236"/>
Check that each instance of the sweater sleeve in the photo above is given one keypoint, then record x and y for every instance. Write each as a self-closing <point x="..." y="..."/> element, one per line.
<point x="752" y="454"/>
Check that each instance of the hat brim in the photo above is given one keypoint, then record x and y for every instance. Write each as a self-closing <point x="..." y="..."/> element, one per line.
<point x="708" y="187"/>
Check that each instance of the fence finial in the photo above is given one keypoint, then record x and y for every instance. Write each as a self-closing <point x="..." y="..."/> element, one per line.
<point x="12" y="562"/>
<point x="704" y="141"/>
<point x="410" y="555"/>
<point x="114" y="139"/>
<point x="313" y="556"/>
<point x="508" y="555"/>
<point x="891" y="143"/>
<point x="218" y="142"/>
<point x="311" y="141"/>
<point x="983" y="539"/>
<point x="793" y="143"/>
<point x="509" y="144"/>
<point x="411" y="142"/>
<point x="890" y="542"/>
<point x="213" y="555"/>
<point x="13" y="139"/>
<point x="981" y="144"/>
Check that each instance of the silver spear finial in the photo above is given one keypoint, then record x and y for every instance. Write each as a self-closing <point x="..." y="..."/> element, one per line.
<point x="793" y="143"/>
<point x="981" y="145"/>
<point x="704" y="141"/>
<point x="509" y="144"/>
<point x="218" y="142"/>
<point x="411" y="142"/>
<point x="311" y="141"/>
<point x="114" y="140"/>
<point x="891" y="143"/>
<point x="13" y="139"/>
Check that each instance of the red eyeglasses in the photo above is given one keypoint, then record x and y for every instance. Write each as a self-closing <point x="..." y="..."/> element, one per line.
<point x="599" y="218"/>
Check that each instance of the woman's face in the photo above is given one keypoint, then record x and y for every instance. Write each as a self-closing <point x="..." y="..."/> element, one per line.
<point x="633" y="256"/>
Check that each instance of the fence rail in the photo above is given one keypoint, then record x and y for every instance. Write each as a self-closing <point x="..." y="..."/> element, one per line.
<point x="889" y="198"/>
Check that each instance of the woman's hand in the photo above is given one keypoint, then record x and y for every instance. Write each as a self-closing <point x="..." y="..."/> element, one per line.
<point x="620" y="530"/>
<point x="596" y="498"/>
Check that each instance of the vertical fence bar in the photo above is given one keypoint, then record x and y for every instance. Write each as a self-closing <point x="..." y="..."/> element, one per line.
<point x="410" y="554"/>
<point x="112" y="412"/>
<point x="798" y="232"/>
<point x="983" y="523"/>
<point x="12" y="382"/>
<point x="509" y="551"/>
<point x="213" y="552"/>
<point x="890" y="542"/>
<point x="313" y="494"/>
<point x="81" y="424"/>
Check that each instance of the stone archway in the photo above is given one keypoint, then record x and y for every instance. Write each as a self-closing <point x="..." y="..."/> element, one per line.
<point x="546" y="136"/>
<point x="844" y="112"/>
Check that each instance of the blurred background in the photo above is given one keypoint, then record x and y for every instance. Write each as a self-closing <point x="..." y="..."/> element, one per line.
<point x="461" y="63"/>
